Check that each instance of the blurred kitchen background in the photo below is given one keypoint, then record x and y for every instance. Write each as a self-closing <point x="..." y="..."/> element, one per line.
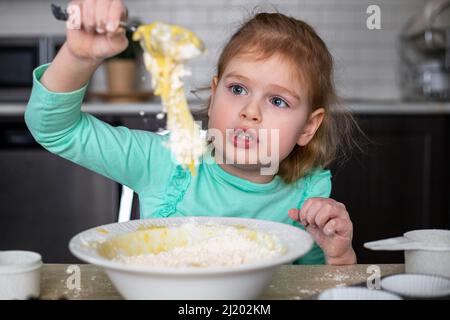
<point x="396" y="81"/>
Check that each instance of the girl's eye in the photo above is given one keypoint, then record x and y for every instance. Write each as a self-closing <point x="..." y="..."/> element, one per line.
<point x="278" y="102"/>
<point x="237" y="89"/>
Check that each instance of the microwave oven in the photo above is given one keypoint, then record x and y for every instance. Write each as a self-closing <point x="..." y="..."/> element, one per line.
<point x="19" y="56"/>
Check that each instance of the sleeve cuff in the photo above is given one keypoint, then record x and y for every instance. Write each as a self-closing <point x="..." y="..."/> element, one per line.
<point x="51" y="97"/>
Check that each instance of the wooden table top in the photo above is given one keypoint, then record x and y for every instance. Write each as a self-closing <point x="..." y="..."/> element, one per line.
<point x="289" y="282"/>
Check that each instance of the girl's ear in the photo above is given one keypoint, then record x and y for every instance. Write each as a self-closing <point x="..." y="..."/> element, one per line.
<point x="214" y="82"/>
<point x="311" y="126"/>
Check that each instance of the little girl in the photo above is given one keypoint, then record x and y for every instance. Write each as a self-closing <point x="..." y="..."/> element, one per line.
<point x="275" y="73"/>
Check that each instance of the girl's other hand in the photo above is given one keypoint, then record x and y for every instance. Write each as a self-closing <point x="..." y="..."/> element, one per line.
<point x="96" y="35"/>
<point x="329" y="224"/>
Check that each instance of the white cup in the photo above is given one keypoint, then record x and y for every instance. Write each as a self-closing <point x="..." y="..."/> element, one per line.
<point x="20" y="275"/>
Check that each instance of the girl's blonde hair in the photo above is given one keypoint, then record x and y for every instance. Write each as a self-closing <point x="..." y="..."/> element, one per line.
<point x="266" y="34"/>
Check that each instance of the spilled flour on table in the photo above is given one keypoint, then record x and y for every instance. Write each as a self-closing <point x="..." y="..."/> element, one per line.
<point x="336" y="276"/>
<point x="339" y="277"/>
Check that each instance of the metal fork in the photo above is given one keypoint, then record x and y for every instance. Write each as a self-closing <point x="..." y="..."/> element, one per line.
<point x="61" y="14"/>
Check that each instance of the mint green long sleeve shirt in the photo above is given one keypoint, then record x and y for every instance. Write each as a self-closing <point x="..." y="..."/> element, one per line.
<point x="140" y="160"/>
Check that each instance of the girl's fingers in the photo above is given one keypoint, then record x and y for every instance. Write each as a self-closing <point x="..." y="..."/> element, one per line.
<point x="294" y="214"/>
<point x="321" y="216"/>
<point x="340" y="226"/>
<point x="314" y="231"/>
<point x="325" y="214"/>
<point x="117" y="12"/>
<point x="101" y="15"/>
<point x="74" y="22"/>
<point x="312" y="211"/>
<point x="330" y="227"/>
<point x="88" y="15"/>
<point x="306" y="206"/>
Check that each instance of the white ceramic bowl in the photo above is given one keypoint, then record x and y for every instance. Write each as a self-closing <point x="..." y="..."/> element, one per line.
<point x="355" y="293"/>
<point x="19" y="274"/>
<point x="417" y="285"/>
<point x="246" y="281"/>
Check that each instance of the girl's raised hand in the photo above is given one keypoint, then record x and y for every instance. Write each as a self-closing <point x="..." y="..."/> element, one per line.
<point x="329" y="224"/>
<point x="93" y="32"/>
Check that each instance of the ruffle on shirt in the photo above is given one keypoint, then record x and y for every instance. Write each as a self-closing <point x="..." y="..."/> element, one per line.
<point x="177" y="186"/>
<point x="316" y="184"/>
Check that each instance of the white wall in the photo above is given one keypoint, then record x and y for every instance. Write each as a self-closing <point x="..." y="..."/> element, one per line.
<point x="366" y="60"/>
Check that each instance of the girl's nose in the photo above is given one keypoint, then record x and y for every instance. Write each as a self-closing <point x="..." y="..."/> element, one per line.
<point x="251" y="112"/>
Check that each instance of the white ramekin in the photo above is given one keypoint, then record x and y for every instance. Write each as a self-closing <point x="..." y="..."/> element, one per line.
<point x="20" y="273"/>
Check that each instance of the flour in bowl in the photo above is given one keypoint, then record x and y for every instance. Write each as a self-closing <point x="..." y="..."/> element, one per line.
<point x="211" y="245"/>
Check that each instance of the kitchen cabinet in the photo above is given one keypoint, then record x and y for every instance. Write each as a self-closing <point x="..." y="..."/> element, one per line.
<point x="45" y="200"/>
<point x="399" y="183"/>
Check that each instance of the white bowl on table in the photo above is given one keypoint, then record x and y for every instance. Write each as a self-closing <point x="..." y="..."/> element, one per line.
<point x="356" y="293"/>
<point x="245" y="281"/>
<point x="20" y="274"/>
<point x="417" y="285"/>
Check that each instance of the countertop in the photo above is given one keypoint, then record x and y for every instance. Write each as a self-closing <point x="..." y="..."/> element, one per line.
<point x="290" y="282"/>
<point x="356" y="107"/>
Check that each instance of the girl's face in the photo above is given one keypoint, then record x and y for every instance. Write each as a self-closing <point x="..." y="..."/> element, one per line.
<point x="257" y="96"/>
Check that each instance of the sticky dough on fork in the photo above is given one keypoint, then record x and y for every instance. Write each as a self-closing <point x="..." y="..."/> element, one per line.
<point x="166" y="49"/>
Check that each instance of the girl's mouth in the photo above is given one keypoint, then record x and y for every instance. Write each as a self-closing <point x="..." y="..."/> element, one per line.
<point x="244" y="138"/>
